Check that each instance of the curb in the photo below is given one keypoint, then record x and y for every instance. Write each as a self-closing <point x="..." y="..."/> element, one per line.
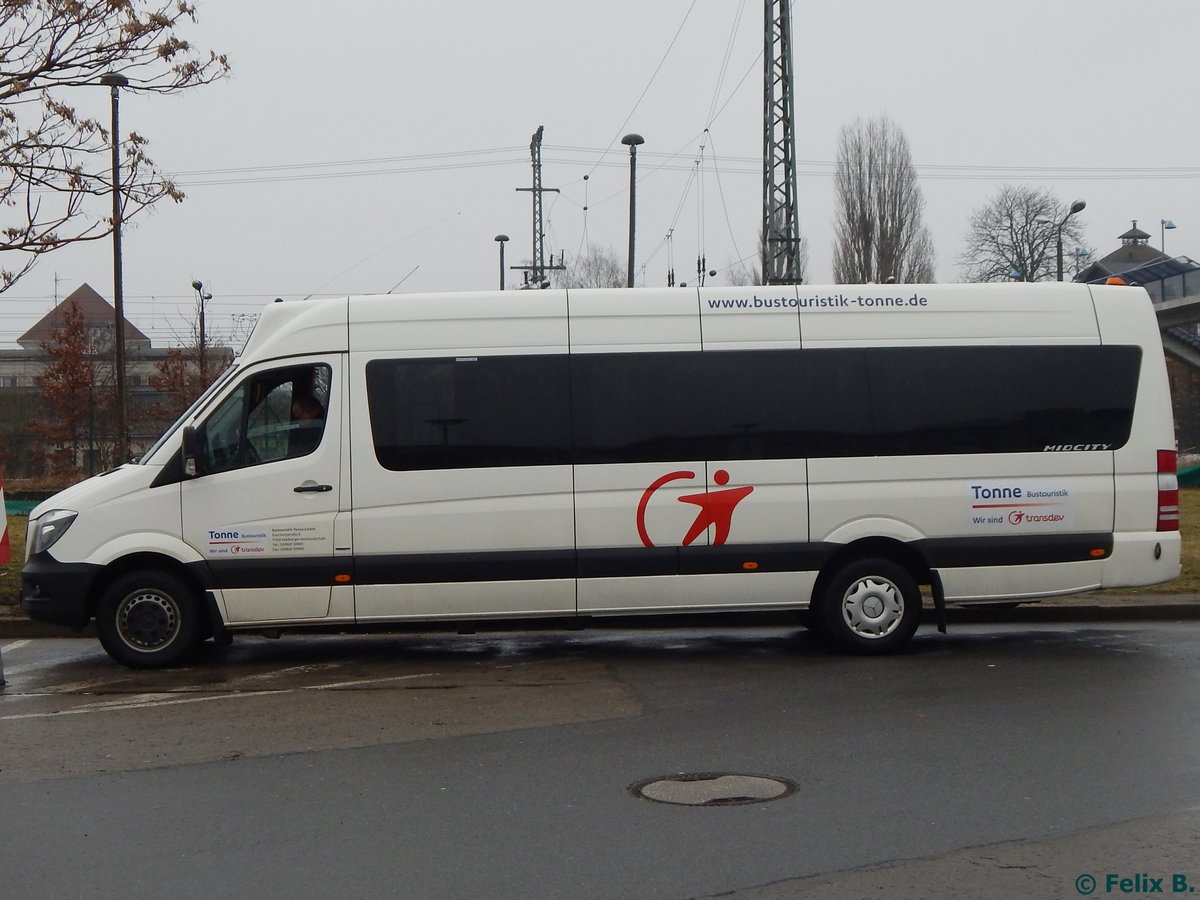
<point x="17" y="627"/>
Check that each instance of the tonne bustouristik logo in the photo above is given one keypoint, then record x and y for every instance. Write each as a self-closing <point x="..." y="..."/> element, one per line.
<point x="715" y="507"/>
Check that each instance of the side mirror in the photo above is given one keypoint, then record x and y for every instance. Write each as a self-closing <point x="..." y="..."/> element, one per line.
<point x="191" y="452"/>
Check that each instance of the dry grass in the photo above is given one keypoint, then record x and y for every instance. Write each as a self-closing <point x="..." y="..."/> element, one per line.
<point x="10" y="573"/>
<point x="1189" y="519"/>
<point x="1187" y="583"/>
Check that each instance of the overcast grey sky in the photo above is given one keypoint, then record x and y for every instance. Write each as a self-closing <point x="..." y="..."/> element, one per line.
<point x="382" y="142"/>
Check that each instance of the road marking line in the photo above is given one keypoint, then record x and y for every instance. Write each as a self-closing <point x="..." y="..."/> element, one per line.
<point x="342" y="684"/>
<point x="74" y="689"/>
<point x="15" y="645"/>
<point x="155" y="700"/>
<point x="275" y="673"/>
<point x="120" y="705"/>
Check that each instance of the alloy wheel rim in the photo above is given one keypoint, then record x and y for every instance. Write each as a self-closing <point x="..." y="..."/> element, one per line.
<point x="872" y="607"/>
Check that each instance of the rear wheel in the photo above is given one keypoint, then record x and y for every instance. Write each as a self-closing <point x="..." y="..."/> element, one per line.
<point x="871" y="606"/>
<point x="149" y="620"/>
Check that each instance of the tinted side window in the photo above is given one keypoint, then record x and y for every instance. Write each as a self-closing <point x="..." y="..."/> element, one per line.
<point x="1001" y="399"/>
<point x="468" y="412"/>
<point x="637" y="407"/>
<point x="763" y="404"/>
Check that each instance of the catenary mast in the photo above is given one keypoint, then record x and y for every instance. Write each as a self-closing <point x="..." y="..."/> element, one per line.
<point x="780" y="225"/>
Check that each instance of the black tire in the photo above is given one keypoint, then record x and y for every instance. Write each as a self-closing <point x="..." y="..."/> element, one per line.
<point x="149" y="620"/>
<point x="870" y="606"/>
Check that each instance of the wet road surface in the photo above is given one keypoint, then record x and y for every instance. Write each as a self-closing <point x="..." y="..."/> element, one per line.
<point x="501" y="765"/>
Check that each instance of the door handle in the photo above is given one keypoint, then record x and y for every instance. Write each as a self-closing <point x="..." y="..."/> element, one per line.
<point x="313" y="488"/>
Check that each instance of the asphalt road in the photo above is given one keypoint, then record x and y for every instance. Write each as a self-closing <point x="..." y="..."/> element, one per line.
<point x="1000" y="760"/>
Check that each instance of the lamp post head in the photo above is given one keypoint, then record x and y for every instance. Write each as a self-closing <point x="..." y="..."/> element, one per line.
<point x="1077" y="206"/>
<point x="501" y="238"/>
<point x="114" y="79"/>
<point x="632" y="140"/>
<point x="197" y="285"/>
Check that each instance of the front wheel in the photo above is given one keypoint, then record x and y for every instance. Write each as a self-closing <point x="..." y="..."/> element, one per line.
<point x="149" y="620"/>
<point x="871" y="606"/>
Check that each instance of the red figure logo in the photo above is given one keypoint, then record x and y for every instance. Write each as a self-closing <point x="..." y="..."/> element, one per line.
<point x="716" y="507"/>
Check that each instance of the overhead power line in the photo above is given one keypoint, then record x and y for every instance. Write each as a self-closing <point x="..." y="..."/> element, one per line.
<point x="585" y="157"/>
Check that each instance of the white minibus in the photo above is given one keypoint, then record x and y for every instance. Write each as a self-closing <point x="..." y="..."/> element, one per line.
<point x="571" y="455"/>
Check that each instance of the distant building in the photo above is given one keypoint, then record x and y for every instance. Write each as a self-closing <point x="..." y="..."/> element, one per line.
<point x="1135" y="251"/>
<point x="1164" y="278"/>
<point x="21" y="371"/>
<point x="98" y="313"/>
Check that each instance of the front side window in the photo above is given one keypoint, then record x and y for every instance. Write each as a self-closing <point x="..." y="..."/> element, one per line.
<point x="273" y="415"/>
<point x="469" y="412"/>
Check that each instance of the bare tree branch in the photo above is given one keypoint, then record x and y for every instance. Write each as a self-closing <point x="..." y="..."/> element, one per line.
<point x="880" y="232"/>
<point x="1014" y="237"/>
<point x="52" y="161"/>
<point x="599" y="267"/>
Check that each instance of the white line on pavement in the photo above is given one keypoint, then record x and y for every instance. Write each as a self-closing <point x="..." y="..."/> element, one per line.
<point x="150" y="701"/>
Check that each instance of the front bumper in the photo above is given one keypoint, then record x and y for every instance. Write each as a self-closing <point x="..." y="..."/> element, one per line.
<point x="57" y="592"/>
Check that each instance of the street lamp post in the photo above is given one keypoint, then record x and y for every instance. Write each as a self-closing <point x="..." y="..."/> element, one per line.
<point x="501" y="239"/>
<point x="203" y="296"/>
<point x="1077" y="206"/>
<point x="632" y="141"/>
<point x="115" y="81"/>
<point x="1165" y="225"/>
<point x="1081" y="254"/>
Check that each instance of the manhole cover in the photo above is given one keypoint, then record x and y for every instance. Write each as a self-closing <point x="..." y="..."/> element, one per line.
<point x="713" y="789"/>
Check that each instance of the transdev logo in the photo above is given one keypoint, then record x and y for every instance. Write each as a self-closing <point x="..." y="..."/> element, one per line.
<point x="235" y="542"/>
<point x="1036" y="504"/>
<point x="716" y="507"/>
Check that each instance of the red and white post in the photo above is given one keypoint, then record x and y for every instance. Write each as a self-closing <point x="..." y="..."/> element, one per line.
<point x="5" y="551"/>
<point x="5" y="555"/>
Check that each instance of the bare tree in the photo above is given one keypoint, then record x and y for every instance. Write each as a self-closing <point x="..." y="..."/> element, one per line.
<point x="1014" y="237"/>
<point x="51" y="159"/>
<point x="880" y="235"/>
<point x="599" y="267"/>
<point x="739" y="274"/>
<point x="177" y="379"/>
<point x="74" y="429"/>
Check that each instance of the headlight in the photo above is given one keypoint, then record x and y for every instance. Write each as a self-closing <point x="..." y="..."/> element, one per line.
<point x="45" y="531"/>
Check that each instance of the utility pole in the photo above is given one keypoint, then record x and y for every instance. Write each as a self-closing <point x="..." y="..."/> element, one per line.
<point x="780" y="222"/>
<point x="536" y="272"/>
<point x="632" y="141"/>
<point x="115" y="81"/>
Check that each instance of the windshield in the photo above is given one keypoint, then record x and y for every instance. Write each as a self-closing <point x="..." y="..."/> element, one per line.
<point x="190" y="411"/>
